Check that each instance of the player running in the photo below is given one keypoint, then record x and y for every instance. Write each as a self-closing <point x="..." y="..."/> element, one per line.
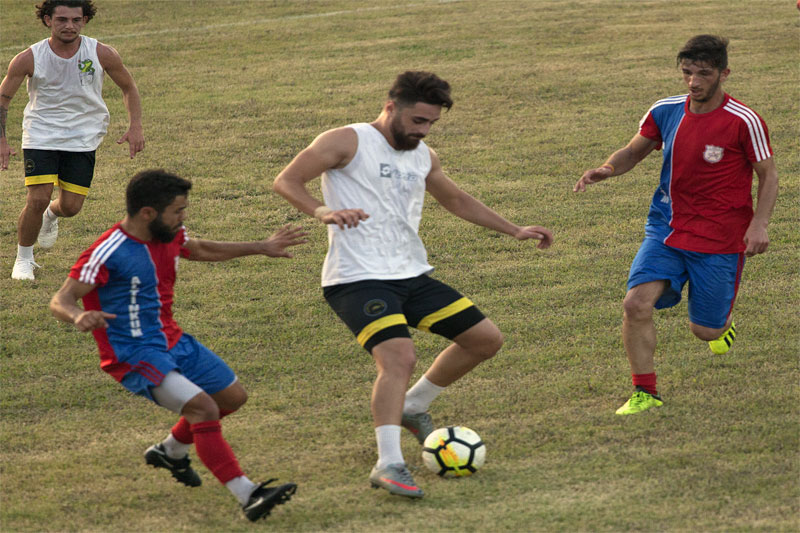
<point x="375" y="275"/>
<point x="126" y="281"/>
<point x="64" y="122"/>
<point x="701" y="223"/>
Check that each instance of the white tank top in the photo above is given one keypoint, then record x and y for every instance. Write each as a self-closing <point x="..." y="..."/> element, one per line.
<point x="65" y="108"/>
<point x="389" y="185"/>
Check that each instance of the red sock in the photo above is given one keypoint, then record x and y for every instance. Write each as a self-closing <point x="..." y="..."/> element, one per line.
<point x="182" y="430"/>
<point x="647" y="382"/>
<point x="214" y="451"/>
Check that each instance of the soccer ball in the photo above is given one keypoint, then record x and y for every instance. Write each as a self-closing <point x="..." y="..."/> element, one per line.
<point x="453" y="451"/>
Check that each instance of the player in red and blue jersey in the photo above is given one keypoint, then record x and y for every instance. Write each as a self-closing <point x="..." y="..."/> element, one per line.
<point x="701" y="223"/>
<point x="126" y="281"/>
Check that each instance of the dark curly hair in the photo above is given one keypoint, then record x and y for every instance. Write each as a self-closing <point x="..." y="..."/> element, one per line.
<point x="413" y="86"/>
<point x="48" y="6"/>
<point x="154" y="188"/>
<point x="709" y="49"/>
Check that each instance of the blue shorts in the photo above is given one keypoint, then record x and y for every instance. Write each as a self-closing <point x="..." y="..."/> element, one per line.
<point x="194" y="361"/>
<point x="713" y="279"/>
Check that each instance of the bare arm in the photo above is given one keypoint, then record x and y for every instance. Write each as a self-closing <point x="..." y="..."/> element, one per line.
<point x="619" y="163"/>
<point x="756" y="238"/>
<point x="64" y="306"/>
<point x="20" y="66"/>
<point x="332" y="149"/>
<point x="274" y="246"/>
<point x="465" y="206"/>
<point x="112" y="64"/>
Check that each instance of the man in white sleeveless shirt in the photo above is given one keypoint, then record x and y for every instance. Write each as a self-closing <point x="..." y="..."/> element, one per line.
<point x="64" y="121"/>
<point x="375" y="276"/>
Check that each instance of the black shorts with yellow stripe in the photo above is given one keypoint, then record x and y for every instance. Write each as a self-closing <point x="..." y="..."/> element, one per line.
<point x="378" y="310"/>
<point x="71" y="171"/>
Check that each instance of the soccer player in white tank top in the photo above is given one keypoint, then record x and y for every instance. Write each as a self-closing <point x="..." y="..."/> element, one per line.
<point x="52" y="156"/>
<point x="375" y="274"/>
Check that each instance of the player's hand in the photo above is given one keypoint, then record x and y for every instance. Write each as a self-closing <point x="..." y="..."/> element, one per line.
<point x="591" y="177"/>
<point x="756" y="239"/>
<point x="285" y="237"/>
<point x="92" y="320"/>
<point x="345" y="218"/>
<point x="5" y="153"/>
<point x="135" y="138"/>
<point x="543" y="235"/>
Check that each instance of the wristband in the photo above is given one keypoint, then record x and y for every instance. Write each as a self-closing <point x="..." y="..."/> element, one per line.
<point x="321" y="211"/>
<point x="608" y="165"/>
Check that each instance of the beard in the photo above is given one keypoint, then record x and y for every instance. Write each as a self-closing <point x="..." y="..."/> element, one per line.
<point x="401" y="138"/>
<point x="709" y="93"/>
<point x="160" y="231"/>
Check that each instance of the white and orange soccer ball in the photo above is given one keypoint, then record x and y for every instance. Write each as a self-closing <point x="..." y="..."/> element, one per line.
<point x="453" y="451"/>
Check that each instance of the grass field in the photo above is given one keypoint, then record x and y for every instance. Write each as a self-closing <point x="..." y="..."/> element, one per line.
<point x="543" y="90"/>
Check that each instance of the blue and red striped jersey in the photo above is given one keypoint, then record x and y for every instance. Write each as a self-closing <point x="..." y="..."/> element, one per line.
<point x="134" y="280"/>
<point x="704" y="202"/>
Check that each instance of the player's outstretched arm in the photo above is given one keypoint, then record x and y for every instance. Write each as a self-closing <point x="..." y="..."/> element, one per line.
<point x="275" y="246"/>
<point x="756" y="238"/>
<point x="64" y="306"/>
<point x="465" y="206"/>
<point x="20" y="66"/>
<point x="619" y="163"/>
<point x="112" y="64"/>
<point x="332" y="149"/>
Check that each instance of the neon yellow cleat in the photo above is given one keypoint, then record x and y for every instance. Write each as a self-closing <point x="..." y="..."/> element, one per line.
<point x="640" y="401"/>
<point x="723" y="344"/>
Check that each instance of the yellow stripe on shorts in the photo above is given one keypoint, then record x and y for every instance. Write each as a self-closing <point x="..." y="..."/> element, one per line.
<point x="71" y="187"/>
<point x="445" y="312"/>
<point x="40" y="180"/>
<point x="382" y="323"/>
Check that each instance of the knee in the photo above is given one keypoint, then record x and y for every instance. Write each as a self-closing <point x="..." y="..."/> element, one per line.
<point x="637" y="308"/>
<point x="70" y="209"/>
<point x="237" y="400"/>
<point x="37" y="204"/>
<point x="490" y="344"/>
<point x="201" y="408"/>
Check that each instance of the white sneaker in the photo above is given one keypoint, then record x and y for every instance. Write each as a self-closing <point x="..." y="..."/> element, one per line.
<point x="49" y="232"/>
<point x="23" y="269"/>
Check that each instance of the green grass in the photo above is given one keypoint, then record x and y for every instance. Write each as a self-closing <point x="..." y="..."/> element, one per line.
<point x="543" y="90"/>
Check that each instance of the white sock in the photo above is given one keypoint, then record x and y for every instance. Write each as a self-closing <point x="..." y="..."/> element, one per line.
<point x="420" y="396"/>
<point x="25" y="252"/>
<point x="175" y="449"/>
<point x="242" y="488"/>
<point x="49" y="214"/>
<point x="389" y="451"/>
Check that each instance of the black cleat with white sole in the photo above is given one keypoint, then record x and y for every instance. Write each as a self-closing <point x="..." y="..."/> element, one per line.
<point x="264" y="498"/>
<point x="179" y="468"/>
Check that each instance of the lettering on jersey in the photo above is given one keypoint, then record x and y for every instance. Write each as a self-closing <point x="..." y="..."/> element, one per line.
<point x="389" y="172"/>
<point x="133" y="308"/>
<point x="86" y="71"/>
<point x="713" y="154"/>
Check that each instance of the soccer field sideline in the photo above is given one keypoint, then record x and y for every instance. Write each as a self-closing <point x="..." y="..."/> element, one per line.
<point x="537" y="101"/>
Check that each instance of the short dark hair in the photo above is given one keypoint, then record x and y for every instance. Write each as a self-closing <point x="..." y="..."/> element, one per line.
<point x="48" y="6"/>
<point x="154" y="188"/>
<point x="710" y="49"/>
<point x="413" y="86"/>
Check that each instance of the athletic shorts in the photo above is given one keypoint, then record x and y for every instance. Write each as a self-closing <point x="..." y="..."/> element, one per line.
<point x="378" y="310"/>
<point x="197" y="363"/>
<point x="713" y="279"/>
<point x="71" y="171"/>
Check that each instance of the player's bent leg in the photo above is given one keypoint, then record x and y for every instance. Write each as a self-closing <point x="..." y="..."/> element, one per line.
<point x="470" y="348"/>
<point x="68" y="203"/>
<point x="719" y="340"/>
<point x="395" y="360"/>
<point x="231" y="398"/>
<point x="30" y="219"/>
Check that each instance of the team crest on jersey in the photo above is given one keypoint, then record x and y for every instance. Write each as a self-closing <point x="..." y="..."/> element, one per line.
<point x="713" y="154"/>
<point x="86" y="72"/>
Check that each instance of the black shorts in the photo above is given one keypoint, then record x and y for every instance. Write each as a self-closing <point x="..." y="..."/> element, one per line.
<point x="377" y="310"/>
<point x="71" y="171"/>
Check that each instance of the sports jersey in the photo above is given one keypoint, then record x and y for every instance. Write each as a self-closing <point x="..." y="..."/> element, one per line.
<point x="704" y="201"/>
<point x="389" y="185"/>
<point x="134" y="280"/>
<point x="65" y="109"/>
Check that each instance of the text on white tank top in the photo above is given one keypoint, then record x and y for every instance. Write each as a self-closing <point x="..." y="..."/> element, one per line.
<point x="65" y="109"/>
<point x="389" y="185"/>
